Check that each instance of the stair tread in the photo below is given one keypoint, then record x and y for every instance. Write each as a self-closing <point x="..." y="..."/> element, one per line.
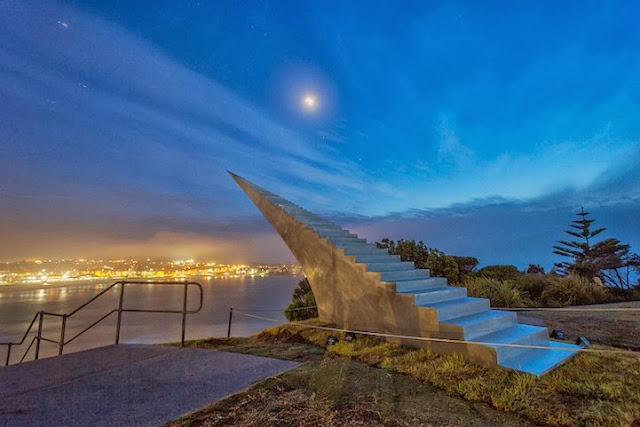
<point x="398" y="276"/>
<point x="378" y="256"/>
<point x="459" y="301"/>
<point x="392" y="261"/>
<point x="388" y="266"/>
<point x="428" y="290"/>
<point x="510" y="334"/>
<point x="539" y="361"/>
<point x="477" y="317"/>
<point x="413" y="279"/>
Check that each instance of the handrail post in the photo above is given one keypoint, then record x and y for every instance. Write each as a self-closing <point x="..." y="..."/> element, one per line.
<point x="120" y="312"/>
<point x="8" y="354"/>
<point x="230" y="317"/>
<point x="184" y="313"/>
<point x="62" y="331"/>
<point x="39" y="338"/>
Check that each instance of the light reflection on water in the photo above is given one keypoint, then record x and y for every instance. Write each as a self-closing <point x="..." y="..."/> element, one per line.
<point x="19" y="303"/>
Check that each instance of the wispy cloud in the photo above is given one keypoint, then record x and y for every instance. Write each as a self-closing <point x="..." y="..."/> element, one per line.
<point x="452" y="154"/>
<point x="115" y="98"/>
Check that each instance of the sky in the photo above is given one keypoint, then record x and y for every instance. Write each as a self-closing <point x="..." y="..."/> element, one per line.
<point x="480" y="128"/>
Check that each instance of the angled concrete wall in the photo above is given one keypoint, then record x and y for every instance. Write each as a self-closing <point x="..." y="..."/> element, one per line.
<point x="346" y="293"/>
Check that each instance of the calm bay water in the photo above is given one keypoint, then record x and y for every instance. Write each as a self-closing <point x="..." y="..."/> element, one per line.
<point x="19" y="303"/>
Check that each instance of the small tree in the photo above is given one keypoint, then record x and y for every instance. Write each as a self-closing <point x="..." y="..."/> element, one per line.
<point x="302" y="297"/>
<point x="535" y="269"/>
<point x="609" y="259"/>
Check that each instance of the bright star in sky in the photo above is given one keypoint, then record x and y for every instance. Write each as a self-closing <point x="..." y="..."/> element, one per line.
<point x="310" y="101"/>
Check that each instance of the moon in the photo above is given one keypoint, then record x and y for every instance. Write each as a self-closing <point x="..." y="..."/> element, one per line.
<point x="309" y="101"/>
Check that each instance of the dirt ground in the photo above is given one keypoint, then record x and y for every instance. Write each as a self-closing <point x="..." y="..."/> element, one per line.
<point x="618" y="329"/>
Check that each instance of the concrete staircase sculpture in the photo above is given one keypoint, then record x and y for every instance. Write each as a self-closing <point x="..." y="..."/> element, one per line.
<point x="360" y="287"/>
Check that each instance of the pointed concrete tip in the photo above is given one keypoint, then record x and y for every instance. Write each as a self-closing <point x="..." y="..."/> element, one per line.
<point x="237" y="178"/>
<point x="242" y="183"/>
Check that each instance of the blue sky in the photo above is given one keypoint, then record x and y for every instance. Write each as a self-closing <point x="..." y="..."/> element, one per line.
<point x="479" y="128"/>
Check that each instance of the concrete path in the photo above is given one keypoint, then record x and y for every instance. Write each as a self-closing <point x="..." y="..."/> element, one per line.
<point x="125" y="385"/>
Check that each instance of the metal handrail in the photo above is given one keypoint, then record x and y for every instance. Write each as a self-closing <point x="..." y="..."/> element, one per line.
<point x="62" y="342"/>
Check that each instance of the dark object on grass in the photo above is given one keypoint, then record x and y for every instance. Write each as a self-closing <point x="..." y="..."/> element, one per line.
<point x="583" y="341"/>
<point x="557" y="334"/>
<point x="332" y="340"/>
<point x="350" y="336"/>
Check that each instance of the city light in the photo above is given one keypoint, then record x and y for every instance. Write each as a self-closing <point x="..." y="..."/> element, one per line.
<point x="84" y="269"/>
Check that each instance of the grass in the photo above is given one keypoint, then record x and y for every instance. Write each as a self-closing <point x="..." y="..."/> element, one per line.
<point x="591" y="389"/>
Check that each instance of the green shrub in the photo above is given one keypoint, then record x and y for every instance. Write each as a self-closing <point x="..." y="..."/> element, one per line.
<point x="532" y="290"/>
<point x="500" y="272"/>
<point x="534" y="284"/>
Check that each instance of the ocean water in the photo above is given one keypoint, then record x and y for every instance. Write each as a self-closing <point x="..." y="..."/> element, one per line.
<point x="263" y="296"/>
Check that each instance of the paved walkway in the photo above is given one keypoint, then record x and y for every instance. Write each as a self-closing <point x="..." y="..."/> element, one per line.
<point x="125" y="385"/>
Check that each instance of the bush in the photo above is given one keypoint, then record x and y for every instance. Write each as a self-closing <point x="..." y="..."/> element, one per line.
<point x="501" y="293"/>
<point x="534" y="290"/>
<point x="500" y="272"/>
<point x="534" y="284"/>
<point x="573" y="291"/>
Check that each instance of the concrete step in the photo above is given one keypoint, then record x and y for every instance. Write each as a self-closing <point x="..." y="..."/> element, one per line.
<point x="483" y="323"/>
<point x="467" y="306"/>
<point x="285" y="204"/>
<point x="390" y="265"/>
<point x="280" y="201"/>
<point x="540" y="361"/>
<point x="417" y="285"/>
<point x="324" y="232"/>
<point x="296" y="210"/>
<point x="515" y="334"/>
<point x="308" y="219"/>
<point x="320" y="227"/>
<point x="326" y="228"/>
<point x="395" y="276"/>
<point x="436" y="295"/>
<point x="320" y="224"/>
<point x="377" y="257"/>
<point x="360" y="249"/>
<point x="303" y="214"/>
<point x="341" y="241"/>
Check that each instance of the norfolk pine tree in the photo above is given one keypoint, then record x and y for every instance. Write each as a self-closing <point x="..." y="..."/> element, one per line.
<point x="608" y="259"/>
